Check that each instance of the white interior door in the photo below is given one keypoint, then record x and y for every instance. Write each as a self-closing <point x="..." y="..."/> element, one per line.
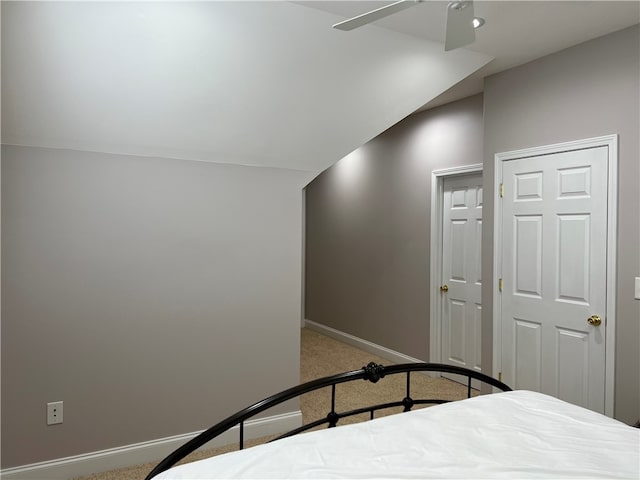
<point x="462" y="288"/>
<point x="554" y="271"/>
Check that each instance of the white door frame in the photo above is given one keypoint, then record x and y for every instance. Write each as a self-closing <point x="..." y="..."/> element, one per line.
<point x="437" y="205"/>
<point x="611" y="142"/>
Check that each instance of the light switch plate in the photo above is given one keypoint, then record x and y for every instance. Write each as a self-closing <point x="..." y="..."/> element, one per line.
<point x="637" y="288"/>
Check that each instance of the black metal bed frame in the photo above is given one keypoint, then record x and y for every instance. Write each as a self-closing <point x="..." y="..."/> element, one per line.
<point x="372" y="372"/>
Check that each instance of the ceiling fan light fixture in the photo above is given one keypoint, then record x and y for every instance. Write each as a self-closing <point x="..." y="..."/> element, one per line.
<point x="477" y="22"/>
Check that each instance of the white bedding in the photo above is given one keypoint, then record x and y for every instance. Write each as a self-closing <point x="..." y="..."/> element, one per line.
<point x="513" y="435"/>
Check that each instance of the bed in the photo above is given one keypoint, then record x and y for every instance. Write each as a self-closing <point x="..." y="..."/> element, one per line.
<point x="506" y="434"/>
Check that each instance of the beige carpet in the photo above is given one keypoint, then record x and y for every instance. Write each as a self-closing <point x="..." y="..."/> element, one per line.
<point x="322" y="356"/>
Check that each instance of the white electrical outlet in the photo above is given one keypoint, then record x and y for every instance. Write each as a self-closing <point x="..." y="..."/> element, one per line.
<point x="54" y="413"/>
<point x="637" y="288"/>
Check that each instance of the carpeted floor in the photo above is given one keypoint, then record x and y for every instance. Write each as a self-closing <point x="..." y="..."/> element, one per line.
<point x="322" y="356"/>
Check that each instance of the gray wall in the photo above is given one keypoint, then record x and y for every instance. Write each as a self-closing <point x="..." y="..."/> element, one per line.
<point x="368" y="227"/>
<point x="585" y="91"/>
<point x="153" y="296"/>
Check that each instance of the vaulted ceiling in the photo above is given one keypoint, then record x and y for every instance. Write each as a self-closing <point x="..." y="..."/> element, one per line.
<point x="252" y="83"/>
<point x="515" y="32"/>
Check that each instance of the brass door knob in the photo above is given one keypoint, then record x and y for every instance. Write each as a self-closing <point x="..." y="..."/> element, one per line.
<point x="594" y="320"/>
<point x="444" y="288"/>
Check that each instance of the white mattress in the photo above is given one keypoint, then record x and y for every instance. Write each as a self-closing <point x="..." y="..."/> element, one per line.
<point x="517" y="434"/>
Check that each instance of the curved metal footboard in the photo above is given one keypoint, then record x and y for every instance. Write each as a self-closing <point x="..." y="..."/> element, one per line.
<point x="372" y="372"/>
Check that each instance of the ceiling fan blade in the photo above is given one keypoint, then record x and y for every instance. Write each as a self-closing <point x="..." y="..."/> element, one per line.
<point x="374" y="15"/>
<point x="460" y="31"/>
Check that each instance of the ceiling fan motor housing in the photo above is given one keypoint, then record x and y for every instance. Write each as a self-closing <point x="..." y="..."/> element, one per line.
<point x="458" y="5"/>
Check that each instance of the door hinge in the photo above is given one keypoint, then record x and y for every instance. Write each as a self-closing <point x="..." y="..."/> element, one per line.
<point x="500" y="376"/>
<point x="501" y="190"/>
<point x="500" y="284"/>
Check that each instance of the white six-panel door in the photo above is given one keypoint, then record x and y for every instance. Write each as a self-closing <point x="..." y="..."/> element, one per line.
<point x="461" y="250"/>
<point x="554" y="274"/>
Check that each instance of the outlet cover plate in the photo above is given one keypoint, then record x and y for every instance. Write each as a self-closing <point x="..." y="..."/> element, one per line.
<point x="54" y="413"/>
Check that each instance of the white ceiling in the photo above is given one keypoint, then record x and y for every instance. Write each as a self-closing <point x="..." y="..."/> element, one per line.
<point x="515" y="32"/>
<point x="253" y="83"/>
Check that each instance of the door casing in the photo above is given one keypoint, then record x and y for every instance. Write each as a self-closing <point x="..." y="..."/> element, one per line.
<point x="435" y="307"/>
<point x="611" y="142"/>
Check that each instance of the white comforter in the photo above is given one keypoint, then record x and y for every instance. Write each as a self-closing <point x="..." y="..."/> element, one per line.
<point x="513" y="435"/>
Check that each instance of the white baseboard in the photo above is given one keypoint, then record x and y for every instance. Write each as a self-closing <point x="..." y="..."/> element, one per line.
<point x="379" y="350"/>
<point x="151" y="451"/>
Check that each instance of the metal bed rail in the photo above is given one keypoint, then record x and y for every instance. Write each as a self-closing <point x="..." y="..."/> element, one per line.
<point x="372" y="372"/>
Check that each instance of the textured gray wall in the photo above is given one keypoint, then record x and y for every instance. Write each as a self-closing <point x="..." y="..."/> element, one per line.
<point x="585" y="91"/>
<point x="368" y="227"/>
<point x="153" y="296"/>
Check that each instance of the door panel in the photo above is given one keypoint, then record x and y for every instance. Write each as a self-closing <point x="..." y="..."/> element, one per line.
<point x="573" y="258"/>
<point x="478" y="256"/>
<point x="554" y="233"/>
<point x="457" y="332"/>
<point x="573" y="374"/>
<point x="527" y="353"/>
<point x="528" y="255"/>
<point x="457" y="241"/>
